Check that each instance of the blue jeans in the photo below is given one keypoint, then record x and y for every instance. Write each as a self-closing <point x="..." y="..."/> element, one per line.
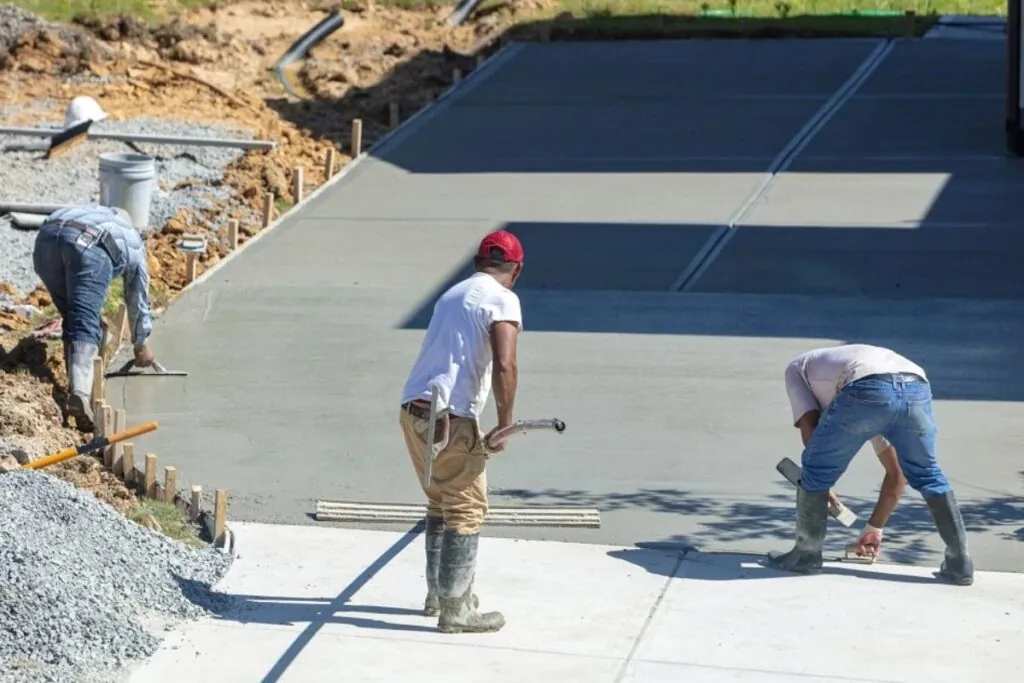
<point x="899" y="410"/>
<point x="77" y="272"/>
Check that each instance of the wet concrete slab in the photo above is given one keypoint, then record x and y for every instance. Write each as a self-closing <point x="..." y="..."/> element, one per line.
<point x="918" y="262"/>
<point x="298" y="348"/>
<point x="381" y="191"/>
<point x="680" y="71"/>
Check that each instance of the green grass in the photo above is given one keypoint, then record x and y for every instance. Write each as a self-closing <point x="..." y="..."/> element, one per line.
<point x="65" y="10"/>
<point x="600" y="10"/>
<point x="776" y="8"/>
<point x="172" y="522"/>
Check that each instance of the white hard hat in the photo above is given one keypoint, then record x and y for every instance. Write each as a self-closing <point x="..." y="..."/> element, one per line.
<point x="83" y="108"/>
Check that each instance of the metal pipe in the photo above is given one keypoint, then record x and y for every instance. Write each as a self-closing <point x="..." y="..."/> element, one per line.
<point x="156" y="139"/>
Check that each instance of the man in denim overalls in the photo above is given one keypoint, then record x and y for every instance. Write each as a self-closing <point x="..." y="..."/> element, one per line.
<point x="843" y="397"/>
<point x="79" y="250"/>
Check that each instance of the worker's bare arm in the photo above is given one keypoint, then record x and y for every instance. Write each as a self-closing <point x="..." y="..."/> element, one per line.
<point x="505" y="374"/>
<point x="893" y="486"/>
<point x="807" y="424"/>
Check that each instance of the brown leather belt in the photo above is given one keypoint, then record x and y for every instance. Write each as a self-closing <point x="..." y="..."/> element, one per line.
<point x="102" y="237"/>
<point x="416" y="409"/>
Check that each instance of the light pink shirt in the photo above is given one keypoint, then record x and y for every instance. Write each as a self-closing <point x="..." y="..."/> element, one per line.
<point x="814" y="378"/>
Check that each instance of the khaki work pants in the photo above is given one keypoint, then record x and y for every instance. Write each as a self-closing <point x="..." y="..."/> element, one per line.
<point x="458" y="492"/>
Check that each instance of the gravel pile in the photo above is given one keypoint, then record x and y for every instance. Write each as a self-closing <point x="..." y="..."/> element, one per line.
<point x="83" y="590"/>
<point x="188" y="177"/>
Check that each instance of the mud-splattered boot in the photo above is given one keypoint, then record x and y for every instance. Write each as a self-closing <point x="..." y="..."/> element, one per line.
<point x="957" y="566"/>
<point x="811" y="520"/>
<point x="432" y="541"/>
<point x="455" y="584"/>
<point x="80" y="384"/>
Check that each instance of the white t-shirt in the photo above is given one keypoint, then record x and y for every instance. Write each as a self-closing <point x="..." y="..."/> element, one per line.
<point x="456" y="351"/>
<point x="814" y="378"/>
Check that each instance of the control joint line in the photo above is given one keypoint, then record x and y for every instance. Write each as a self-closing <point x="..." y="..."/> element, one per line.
<point x="721" y="236"/>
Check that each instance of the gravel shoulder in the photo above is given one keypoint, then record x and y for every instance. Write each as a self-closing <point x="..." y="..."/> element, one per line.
<point x="85" y="590"/>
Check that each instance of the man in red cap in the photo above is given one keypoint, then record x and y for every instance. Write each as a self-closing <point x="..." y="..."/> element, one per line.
<point x="469" y="349"/>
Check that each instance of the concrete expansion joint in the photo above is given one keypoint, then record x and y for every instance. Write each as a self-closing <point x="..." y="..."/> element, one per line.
<point x="721" y="236"/>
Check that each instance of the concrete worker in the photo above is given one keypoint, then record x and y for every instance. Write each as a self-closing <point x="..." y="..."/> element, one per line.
<point x="842" y="397"/>
<point x="78" y="251"/>
<point x="468" y="350"/>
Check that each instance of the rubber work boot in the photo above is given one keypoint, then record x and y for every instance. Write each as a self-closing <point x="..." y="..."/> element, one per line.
<point x="80" y="384"/>
<point x="811" y="520"/>
<point x="455" y="586"/>
<point x="432" y="538"/>
<point x="957" y="567"/>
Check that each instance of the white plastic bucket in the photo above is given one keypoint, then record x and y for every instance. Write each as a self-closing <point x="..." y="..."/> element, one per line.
<point x="126" y="181"/>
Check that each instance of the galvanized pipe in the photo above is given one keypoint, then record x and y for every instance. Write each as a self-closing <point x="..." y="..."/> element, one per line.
<point x="155" y="139"/>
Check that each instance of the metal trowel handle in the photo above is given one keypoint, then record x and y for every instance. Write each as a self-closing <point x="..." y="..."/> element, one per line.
<point x="524" y="426"/>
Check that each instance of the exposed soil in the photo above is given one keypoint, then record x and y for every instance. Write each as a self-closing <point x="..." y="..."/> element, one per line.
<point x="213" y="66"/>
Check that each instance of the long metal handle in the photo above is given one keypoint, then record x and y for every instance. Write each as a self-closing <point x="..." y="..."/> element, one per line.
<point x="432" y="450"/>
<point x="524" y="426"/>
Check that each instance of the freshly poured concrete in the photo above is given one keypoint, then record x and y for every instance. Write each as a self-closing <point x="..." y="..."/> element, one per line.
<point x="318" y="604"/>
<point x="298" y="348"/>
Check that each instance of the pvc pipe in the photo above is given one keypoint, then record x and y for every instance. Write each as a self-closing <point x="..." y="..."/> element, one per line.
<point x="32" y="208"/>
<point x="156" y="139"/>
<point x="28" y="221"/>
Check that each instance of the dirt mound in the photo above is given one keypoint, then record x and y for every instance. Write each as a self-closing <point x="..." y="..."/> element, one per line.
<point x="31" y="421"/>
<point x="30" y="44"/>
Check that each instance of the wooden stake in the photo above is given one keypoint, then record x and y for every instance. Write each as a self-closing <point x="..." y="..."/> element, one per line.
<point x="97" y="381"/>
<point x="128" y="463"/>
<point x="456" y="75"/>
<point x="233" y="233"/>
<point x="97" y="416"/>
<point x="268" y="209"/>
<point x="329" y="164"/>
<point x="108" y="429"/>
<point x="191" y="258"/>
<point x="149" y="483"/>
<point x="195" y="507"/>
<point x="117" y="463"/>
<point x="297" y="183"/>
<point x="357" y="137"/>
<point x="393" y="114"/>
<point x="170" y="483"/>
<point x="220" y="514"/>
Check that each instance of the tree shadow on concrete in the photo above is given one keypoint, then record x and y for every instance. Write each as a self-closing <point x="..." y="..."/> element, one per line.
<point x="786" y="282"/>
<point x="728" y="566"/>
<point x="732" y="520"/>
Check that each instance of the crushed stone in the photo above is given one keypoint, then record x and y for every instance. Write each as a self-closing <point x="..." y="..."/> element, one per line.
<point x="86" y="591"/>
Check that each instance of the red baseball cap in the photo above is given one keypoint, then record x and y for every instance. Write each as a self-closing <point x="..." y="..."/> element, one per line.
<point x="501" y="245"/>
